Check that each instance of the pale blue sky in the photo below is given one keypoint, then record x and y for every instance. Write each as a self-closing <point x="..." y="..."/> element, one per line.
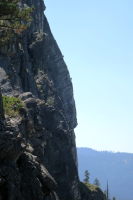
<point x="96" y="39"/>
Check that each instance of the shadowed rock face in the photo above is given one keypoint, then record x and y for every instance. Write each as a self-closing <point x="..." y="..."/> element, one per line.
<point x="1" y="113"/>
<point x="38" y="146"/>
<point x="89" y="194"/>
<point x="33" y="69"/>
<point x="1" y="107"/>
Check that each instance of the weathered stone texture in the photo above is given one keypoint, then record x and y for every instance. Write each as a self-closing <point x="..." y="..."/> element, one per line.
<point x="38" y="146"/>
<point x="33" y="69"/>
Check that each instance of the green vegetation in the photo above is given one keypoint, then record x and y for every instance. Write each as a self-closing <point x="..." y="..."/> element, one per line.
<point x="86" y="181"/>
<point x="50" y="101"/>
<point x="95" y="186"/>
<point x="13" y="19"/>
<point x="97" y="182"/>
<point x="87" y="176"/>
<point x="12" y="105"/>
<point x="91" y="186"/>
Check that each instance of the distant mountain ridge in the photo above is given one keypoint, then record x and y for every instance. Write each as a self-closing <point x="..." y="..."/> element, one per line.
<point x="117" y="168"/>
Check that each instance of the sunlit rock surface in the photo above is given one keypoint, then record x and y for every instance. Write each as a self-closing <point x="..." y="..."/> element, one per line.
<point x="37" y="147"/>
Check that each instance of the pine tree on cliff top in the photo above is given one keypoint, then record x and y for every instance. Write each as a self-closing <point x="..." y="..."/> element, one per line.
<point x="87" y="176"/>
<point x="97" y="182"/>
<point x="14" y="18"/>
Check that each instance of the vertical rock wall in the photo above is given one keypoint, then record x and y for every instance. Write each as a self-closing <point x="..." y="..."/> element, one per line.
<point x="32" y="69"/>
<point x="38" y="158"/>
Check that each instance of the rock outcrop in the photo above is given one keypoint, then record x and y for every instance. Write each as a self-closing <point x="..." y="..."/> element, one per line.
<point x="91" y="192"/>
<point x="37" y="146"/>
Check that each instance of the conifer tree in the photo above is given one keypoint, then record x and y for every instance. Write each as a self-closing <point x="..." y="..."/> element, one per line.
<point x="87" y="176"/>
<point x="97" y="182"/>
<point x="107" y="192"/>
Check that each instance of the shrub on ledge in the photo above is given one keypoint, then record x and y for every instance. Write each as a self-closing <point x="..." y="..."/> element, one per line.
<point x="12" y="105"/>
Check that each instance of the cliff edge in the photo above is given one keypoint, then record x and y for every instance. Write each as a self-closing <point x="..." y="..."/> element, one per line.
<point x="37" y="117"/>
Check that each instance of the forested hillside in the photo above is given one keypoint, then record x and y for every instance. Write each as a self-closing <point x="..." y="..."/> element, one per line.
<point x="116" y="168"/>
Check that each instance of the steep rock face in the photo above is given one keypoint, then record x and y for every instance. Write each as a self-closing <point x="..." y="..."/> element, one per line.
<point x="32" y="68"/>
<point x="2" y="119"/>
<point x="37" y="147"/>
<point x="1" y="108"/>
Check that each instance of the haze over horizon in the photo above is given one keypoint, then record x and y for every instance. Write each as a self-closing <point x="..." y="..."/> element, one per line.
<point x="104" y="150"/>
<point x="96" y="40"/>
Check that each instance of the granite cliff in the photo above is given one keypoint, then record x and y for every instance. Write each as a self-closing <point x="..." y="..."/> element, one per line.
<point x="37" y="142"/>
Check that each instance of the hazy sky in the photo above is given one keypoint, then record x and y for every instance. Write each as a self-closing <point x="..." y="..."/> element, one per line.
<point x="96" y="39"/>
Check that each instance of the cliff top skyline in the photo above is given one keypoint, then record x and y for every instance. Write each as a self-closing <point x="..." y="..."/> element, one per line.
<point x="96" y="39"/>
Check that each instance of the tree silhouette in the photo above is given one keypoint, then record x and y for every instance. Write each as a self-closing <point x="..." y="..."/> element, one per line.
<point x="97" y="182"/>
<point x="87" y="176"/>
